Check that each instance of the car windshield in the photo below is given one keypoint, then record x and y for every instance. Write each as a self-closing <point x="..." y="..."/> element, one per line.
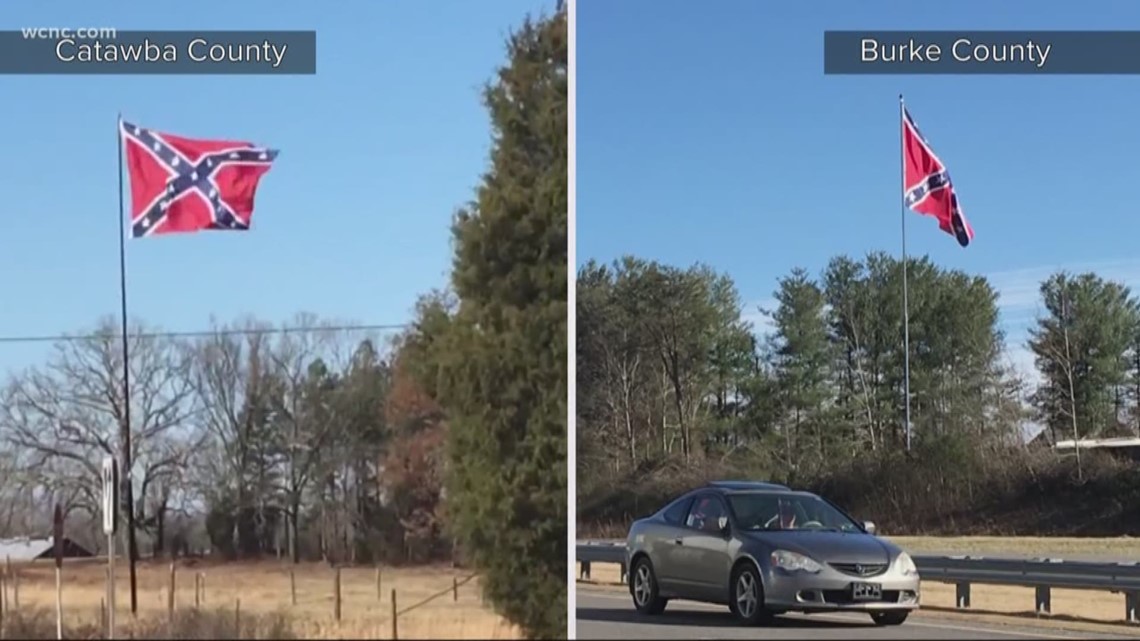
<point x="770" y="511"/>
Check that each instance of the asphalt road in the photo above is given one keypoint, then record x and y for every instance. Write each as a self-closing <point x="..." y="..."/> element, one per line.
<point x="610" y="615"/>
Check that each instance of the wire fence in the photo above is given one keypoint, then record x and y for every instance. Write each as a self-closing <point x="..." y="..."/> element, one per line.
<point x="442" y="593"/>
<point x="221" y="616"/>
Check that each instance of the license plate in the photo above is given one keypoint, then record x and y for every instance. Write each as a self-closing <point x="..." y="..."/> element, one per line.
<point x="866" y="592"/>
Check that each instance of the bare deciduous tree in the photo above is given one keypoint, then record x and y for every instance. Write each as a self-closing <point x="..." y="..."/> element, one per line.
<point x="66" y="414"/>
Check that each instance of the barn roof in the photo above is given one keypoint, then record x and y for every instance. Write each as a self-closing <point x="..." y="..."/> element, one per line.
<point x="24" y="548"/>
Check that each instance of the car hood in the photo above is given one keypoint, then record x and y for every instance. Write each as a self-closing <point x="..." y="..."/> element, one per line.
<point x="830" y="547"/>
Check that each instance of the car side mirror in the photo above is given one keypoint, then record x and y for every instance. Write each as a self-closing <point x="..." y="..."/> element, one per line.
<point x="722" y="525"/>
<point x="869" y="527"/>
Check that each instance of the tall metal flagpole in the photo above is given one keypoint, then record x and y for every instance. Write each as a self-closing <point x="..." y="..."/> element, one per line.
<point x="125" y="427"/>
<point x="906" y="303"/>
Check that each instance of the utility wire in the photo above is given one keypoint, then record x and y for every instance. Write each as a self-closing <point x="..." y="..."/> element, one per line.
<point x="203" y="333"/>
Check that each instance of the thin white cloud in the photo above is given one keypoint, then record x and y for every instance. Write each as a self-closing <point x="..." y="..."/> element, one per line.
<point x="1020" y="359"/>
<point x="1020" y="289"/>
<point x="761" y="323"/>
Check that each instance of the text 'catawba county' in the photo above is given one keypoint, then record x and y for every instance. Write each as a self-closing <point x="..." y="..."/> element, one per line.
<point x="197" y="50"/>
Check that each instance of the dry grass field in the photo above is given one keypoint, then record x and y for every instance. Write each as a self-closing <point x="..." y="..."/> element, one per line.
<point x="263" y="590"/>
<point x="1057" y="547"/>
<point x="1067" y="606"/>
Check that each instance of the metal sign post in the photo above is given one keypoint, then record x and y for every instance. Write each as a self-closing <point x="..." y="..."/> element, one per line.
<point x="57" y="541"/>
<point x="110" y="525"/>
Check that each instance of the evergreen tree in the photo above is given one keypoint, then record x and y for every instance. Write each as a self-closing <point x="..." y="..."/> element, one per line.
<point x="802" y="357"/>
<point x="1081" y="348"/>
<point x="504" y="380"/>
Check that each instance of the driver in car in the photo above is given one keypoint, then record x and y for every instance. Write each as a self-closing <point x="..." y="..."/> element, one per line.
<point x="787" y="516"/>
<point x="784" y="519"/>
<point x="697" y="517"/>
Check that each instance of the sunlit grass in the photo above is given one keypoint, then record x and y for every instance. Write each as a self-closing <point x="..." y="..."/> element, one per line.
<point x="260" y="592"/>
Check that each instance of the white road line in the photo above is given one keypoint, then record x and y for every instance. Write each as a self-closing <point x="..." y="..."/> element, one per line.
<point x="847" y="618"/>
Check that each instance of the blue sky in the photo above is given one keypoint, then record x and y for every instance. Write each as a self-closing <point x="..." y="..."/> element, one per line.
<point x="708" y="132"/>
<point x="377" y="151"/>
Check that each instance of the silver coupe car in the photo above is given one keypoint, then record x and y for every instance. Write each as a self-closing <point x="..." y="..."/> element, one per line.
<point x="764" y="549"/>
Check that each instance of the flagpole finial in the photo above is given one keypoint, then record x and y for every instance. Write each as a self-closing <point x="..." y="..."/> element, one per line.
<point x="900" y="97"/>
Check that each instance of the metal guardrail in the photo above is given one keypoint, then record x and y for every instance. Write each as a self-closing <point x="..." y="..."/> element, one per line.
<point x="1041" y="574"/>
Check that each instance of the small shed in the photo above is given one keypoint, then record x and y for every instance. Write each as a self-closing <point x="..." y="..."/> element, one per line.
<point x="29" y="549"/>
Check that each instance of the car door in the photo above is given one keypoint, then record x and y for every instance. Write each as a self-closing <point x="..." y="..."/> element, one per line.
<point x="704" y="549"/>
<point x="667" y="560"/>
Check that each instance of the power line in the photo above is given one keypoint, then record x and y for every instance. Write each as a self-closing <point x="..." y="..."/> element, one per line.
<point x="204" y="333"/>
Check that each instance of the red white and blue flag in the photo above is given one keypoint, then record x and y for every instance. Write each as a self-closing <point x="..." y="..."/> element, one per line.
<point x="183" y="185"/>
<point x="926" y="184"/>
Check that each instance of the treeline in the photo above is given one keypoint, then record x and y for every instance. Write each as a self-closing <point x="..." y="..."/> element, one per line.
<point x="675" y="387"/>
<point x="246" y="442"/>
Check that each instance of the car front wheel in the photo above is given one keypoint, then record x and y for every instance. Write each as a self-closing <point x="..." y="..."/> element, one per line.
<point x="747" y="596"/>
<point x="891" y="617"/>
<point x="646" y="597"/>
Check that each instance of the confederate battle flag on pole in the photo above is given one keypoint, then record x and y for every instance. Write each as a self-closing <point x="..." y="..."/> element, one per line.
<point x="183" y="185"/>
<point x="927" y="190"/>
<point x="926" y="184"/>
<point x="178" y="185"/>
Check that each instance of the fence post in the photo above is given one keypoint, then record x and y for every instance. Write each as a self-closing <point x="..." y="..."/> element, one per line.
<point x="379" y="592"/>
<point x="1131" y="605"/>
<point x="237" y="618"/>
<point x="16" y="589"/>
<point x="14" y="602"/>
<point x="203" y="586"/>
<point x="454" y="588"/>
<point x="395" y="628"/>
<point x="103" y="614"/>
<point x="336" y="594"/>
<point x="197" y="590"/>
<point x="292" y="586"/>
<point x="170" y="594"/>
<point x="3" y="604"/>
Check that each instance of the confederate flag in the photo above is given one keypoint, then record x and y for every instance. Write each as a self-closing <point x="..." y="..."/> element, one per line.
<point x="186" y="184"/>
<point x="926" y="184"/>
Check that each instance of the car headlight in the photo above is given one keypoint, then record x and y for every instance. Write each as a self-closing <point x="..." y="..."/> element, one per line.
<point x="906" y="565"/>
<point x="793" y="562"/>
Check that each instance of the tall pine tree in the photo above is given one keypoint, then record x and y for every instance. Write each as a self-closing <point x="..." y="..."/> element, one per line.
<point x="504" y="380"/>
